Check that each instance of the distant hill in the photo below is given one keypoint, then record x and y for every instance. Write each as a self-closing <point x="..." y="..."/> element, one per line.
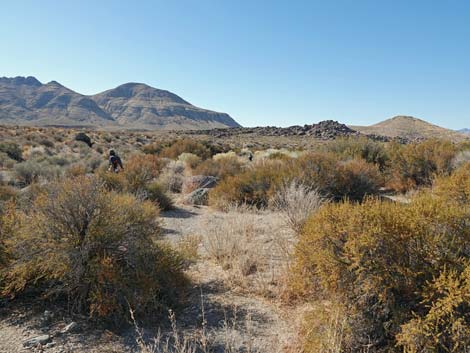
<point x="464" y="131"/>
<point x="409" y="128"/>
<point x="26" y="101"/>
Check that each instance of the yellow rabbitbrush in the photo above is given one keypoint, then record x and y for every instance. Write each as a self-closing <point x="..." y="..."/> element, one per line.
<point x="396" y="270"/>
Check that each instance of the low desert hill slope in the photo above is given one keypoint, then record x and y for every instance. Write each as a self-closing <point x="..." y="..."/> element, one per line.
<point x="409" y="128"/>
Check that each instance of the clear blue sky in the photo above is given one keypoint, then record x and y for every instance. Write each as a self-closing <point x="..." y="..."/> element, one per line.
<point x="263" y="62"/>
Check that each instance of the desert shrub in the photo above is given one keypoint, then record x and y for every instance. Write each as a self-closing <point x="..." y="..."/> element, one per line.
<point x="445" y="327"/>
<point x="253" y="187"/>
<point x="95" y="248"/>
<point x="336" y="179"/>
<point x="155" y="147"/>
<point x="296" y="203"/>
<point x="220" y="167"/>
<point x="156" y="193"/>
<point x="30" y="171"/>
<point x="186" y="145"/>
<point x="59" y="160"/>
<point x="360" y="147"/>
<point x="47" y="143"/>
<point x="279" y="155"/>
<point x="6" y="161"/>
<point x="417" y="164"/>
<point x="354" y="179"/>
<point x="75" y="170"/>
<point x="141" y="169"/>
<point x="455" y="187"/>
<point x="6" y="193"/>
<point x="113" y="181"/>
<point x="190" y="159"/>
<point x="12" y="150"/>
<point x="314" y="170"/>
<point x="215" y="147"/>
<point x="378" y="259"/>
<point x="270" y="153"/>
<point x="94" y="163"/>
<point x="139" y="179"/>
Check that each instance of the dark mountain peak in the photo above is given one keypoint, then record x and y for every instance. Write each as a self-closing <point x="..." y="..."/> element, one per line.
<point x="21" y="80"/>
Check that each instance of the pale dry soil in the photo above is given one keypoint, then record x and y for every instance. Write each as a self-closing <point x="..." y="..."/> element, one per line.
<point x="235" y="317"/>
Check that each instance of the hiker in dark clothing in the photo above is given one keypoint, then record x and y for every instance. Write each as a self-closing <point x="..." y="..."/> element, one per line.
<point x="115" y="163"/>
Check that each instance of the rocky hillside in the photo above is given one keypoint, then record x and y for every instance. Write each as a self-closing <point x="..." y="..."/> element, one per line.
<point x="26" y="101"/>
<point x="326" y="130"/>
<point x="409" y="128"/>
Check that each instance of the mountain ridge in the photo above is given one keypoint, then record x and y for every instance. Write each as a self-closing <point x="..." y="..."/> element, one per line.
<point x="27" y="101"/>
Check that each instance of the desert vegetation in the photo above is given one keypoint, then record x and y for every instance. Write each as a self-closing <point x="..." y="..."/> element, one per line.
<point x="357" y="245"/>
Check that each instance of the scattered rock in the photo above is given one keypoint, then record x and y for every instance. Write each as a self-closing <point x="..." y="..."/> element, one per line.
<point x="198" y="182"/>
<point x="81" y="136"/>
<point x="37" y="341"/>
<point x="325" y="130"/>
<point x="197" y="197"/>
<point x="72" y="327"/>
<point x="46" y="318"/>
<point x="50" y="345"/>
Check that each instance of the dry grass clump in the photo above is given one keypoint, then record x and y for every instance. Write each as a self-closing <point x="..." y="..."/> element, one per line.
<point x="94" y="248"/>
<point x="252" y="247"/>
<point x="228" y="243"/>
<point x="296" y="202"/>
<point x="324" y="328"/>
<point x="398" y="269"/>
<point x="172" y="176"/>
<point x="203" y="340"/>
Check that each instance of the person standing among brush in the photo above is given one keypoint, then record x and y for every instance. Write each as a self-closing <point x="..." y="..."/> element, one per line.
<point x="115" y="163"/>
